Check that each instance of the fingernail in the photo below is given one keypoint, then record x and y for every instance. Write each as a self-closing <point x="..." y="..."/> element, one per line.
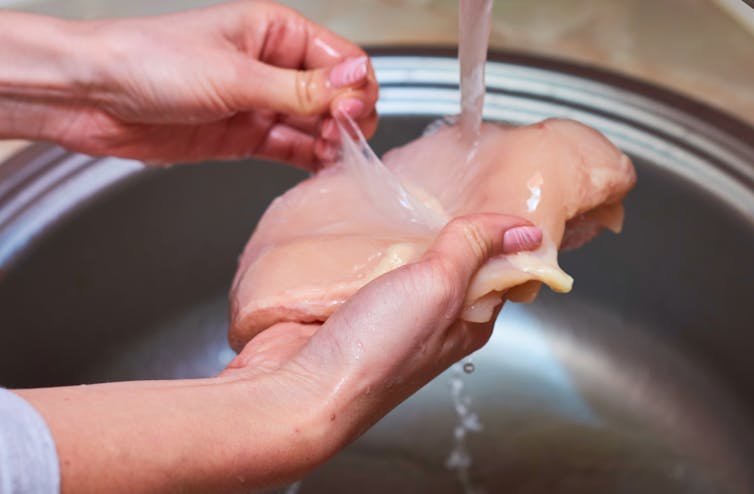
<point x="351" y="107"/>
<point x="349" y="72"/>
<point x="330" y="130"/>
<point x="326" y="152"/>
<point x="521" y="238"/>
<point x="329" y="154"/>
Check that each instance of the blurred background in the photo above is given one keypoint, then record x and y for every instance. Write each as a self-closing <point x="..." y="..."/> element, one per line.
<point x="703" y="48"/>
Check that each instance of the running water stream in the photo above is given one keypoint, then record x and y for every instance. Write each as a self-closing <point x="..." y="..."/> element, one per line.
<point x="474" y="19"/>
<point x="474" y="30"/>
<point x="460" y="458"/>
<point x="474" y="22"/>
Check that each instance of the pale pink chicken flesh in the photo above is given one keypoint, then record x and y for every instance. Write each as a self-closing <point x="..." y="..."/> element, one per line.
<point x="331" y="234"/>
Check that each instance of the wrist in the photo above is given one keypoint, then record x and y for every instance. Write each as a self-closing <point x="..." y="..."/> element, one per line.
<point x="291" y="423"/>
<point x="215" y="435"/>
<point x="46" y="65"/>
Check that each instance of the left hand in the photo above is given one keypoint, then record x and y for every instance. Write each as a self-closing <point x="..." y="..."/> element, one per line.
<point x="250" y="78"/>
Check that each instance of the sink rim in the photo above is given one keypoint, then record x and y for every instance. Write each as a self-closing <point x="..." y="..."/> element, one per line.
<point x="43" y="183"/>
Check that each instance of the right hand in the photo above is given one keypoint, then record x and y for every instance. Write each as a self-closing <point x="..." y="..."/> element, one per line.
<point x="297" y="393"/>
<point x="389" y="339"/>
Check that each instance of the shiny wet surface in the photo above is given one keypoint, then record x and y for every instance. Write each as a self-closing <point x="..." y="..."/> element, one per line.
<point x="638" y="381"/>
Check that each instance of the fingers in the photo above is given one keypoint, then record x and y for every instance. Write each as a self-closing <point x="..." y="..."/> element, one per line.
<point x="326" y="151"/>
<point x="408" y="311"/>
<point x="284" y="143"/>
<point x="395" y="334"/>
<point x="303" y="92"/>
<point x="401" y="330"/>
<point x="468" y="242"/>
<point x="272" y="348"/>
<point x="329" y="143"/>
<point x="307" y="99"/>
<point x="359" y="106"/>
<point x="288" y="39"/>
<point x="297" y="68"/>
<point x="521" y="239"/>
<point x="311" y="125"/>
<point x="308" y="142"/>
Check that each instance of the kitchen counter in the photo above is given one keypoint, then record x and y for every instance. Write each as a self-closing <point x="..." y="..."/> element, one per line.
<point x="701" y="48"/>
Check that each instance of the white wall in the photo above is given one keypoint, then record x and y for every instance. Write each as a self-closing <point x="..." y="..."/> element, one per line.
<point x="102" y="8"/>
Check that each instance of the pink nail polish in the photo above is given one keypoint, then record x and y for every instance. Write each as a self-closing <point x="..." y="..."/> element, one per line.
<point x="330" y="130"/>
<point x="354" y="108"/>
<point x="521" y="238"/>
<point x="326" y="152"/>
<point x="349" y="72"/>
<point x="330" y="154"/>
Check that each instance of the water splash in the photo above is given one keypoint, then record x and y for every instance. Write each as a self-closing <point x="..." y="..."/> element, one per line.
<point x="460" y="458"/>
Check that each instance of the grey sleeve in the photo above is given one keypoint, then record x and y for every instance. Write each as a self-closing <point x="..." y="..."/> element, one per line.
<point x="28" y="459"/>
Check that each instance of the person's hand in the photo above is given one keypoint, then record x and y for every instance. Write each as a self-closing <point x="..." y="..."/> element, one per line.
<point x="295" y="396"/>
<point x="251" y="78"/>
<point x="390" y="338"/>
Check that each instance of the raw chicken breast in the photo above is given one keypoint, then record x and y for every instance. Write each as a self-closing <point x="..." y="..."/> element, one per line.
<point x="327" y="237"/>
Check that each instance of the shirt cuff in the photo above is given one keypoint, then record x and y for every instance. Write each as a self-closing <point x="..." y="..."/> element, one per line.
<point x="28" y="459"/>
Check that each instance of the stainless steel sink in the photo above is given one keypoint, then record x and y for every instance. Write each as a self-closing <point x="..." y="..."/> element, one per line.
<point x="641" y="380"/>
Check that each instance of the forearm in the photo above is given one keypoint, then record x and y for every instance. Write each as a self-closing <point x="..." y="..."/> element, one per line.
<point x="213" y="435"/>
<point x="46" y="65"/>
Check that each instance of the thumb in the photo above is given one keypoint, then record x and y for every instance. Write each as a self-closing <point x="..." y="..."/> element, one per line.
<point x="297" y="92"/>
<point x="408" y="311"/>
<point x="399" y="331"/>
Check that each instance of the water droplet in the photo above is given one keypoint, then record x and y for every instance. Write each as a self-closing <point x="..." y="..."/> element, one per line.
<point x="471" y="422"/>
<point x="468" y="367"/>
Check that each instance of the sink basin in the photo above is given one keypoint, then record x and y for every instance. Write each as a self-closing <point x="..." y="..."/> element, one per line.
<point x="640" y="380"/>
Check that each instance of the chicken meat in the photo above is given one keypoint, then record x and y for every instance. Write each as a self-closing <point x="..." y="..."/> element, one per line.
<point x="333" y="233"/>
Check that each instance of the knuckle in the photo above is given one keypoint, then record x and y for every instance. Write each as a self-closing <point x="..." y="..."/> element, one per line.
<point x="473" y="236"/>
<point x="305" y="90"/>
<point x="440" y="282"/>
<point x="477" y="335"/>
